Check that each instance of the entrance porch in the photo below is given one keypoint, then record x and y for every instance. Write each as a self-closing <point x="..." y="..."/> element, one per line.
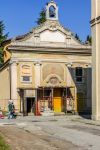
<point x="57" y="100"/>
<point x="47" y="99"/>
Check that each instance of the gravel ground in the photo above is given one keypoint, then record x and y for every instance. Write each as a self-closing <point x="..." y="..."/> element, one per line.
<point x="23" y="139"/>
<point x="51" y="133"/>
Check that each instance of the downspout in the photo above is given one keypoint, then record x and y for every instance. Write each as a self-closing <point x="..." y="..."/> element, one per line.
<point x="10" y="78"/>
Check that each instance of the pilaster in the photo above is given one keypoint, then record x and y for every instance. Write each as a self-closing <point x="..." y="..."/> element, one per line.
<point x="69" y="78"/>
<point x="95" y="24"/>
<point x="37" y="74"/>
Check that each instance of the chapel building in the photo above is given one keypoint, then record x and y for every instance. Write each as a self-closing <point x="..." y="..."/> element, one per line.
<point x="47" y="71"/>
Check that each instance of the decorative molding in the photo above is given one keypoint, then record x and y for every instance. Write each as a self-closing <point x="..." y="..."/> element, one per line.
<point x="13" y="62"/>
<point x="53" y="80"/>
<point x="54" y="5"/>
<point x="95" y="21"/>
<point x="98" y="18"/>
<point x="37" y="64"/>
<point x="69" y="65"/>
<point x="53" y="47"/>
<point x="53" y="27"/>
<point x="40" y="61"/>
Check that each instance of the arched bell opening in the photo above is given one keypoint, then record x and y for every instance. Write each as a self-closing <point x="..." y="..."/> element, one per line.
<point x="52" y="12"/>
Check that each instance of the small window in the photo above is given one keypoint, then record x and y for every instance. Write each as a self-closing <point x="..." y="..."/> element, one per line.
<point x="26" y="73"/>
<point x="26" y="78"/>
<point x="79" y="74"/>
<point x="52" y="12"/>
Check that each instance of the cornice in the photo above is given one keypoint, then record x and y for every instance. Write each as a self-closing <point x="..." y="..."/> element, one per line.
<point x="39" y="62"/>
<point x="95" y="21"/>
<point x="49" y="50"/>
<point x="52" y="45"/>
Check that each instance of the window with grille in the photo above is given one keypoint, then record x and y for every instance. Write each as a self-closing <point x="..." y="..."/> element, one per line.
<point x="79" y="74"/>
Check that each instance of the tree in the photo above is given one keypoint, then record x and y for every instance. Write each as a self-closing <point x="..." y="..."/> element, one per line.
<point x="77" y="37"/>
<point x="89" y="39"/>
<point x="42" y="17"/>
<point x="2" y="38"/>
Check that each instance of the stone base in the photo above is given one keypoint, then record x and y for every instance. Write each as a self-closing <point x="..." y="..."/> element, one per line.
<point x="47" y="112"/>
<point x="59" y="113"/>
<point x="95" y="117"/>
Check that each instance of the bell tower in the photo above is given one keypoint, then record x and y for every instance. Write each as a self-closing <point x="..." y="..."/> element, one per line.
<point x="95" y="26"/>
<point x="51" y="11"/>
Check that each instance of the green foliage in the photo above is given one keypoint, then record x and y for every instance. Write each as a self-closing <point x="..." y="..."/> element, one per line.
<point x="89" y="39"/>
<point x="3" y="145"/>
<point x="42" y="17"/>
<point x="77" y="37"/>
<point x="2" y="38"/>
<point x="1" y="55"/>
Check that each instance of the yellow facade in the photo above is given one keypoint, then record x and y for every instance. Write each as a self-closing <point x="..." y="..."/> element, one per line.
<point x="45" y="58"/>
<point x="4" y="88"/>
<point x="57" y="100"/>
<point x="57" y="104"/>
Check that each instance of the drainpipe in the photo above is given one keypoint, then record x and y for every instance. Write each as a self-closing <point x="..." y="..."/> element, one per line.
<point x="10" y="78"/>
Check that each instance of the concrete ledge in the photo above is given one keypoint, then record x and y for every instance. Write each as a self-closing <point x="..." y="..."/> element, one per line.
<point x="47" y="113"/>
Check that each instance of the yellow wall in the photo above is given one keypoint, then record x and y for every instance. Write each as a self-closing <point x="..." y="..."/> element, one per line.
<point x="7" y="55"/>
<point x="4" y="88"/>
<point x="57" y="100"/>
<point x="22" y="84"/>
<point x="4" y="75"/>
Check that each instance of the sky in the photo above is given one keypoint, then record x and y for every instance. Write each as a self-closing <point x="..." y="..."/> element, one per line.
<point x="19" y="16"/>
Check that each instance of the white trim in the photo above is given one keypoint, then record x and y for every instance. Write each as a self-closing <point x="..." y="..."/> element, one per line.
<point x="22" y="81"/>
<point x="30" y="75"/>
<point x="25" y="60"/>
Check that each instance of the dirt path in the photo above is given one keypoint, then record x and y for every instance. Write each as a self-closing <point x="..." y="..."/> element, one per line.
<point x="21" y="139"/>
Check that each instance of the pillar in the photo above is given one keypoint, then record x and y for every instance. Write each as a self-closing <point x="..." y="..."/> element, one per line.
<point x="37" y="74"/>
<point x="95" y="25"/>
<point x="13" y="83"/>
<point x="37" y="84"/>
<point x="69" y="78"/>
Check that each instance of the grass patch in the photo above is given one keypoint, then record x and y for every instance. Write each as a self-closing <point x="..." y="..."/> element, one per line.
<point x="3" y="144"/>
<point x="5" y="113"/>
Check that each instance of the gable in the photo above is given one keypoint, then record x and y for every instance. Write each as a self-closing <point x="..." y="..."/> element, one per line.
<point x="52" y="36"/>
<point x="74" y="41"/>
